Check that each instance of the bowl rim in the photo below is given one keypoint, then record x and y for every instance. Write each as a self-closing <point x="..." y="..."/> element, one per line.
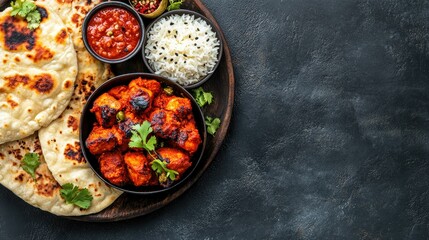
<point x="196" y="14"/>
<point x="123" y="80"/>
<point x="122" y="5"/>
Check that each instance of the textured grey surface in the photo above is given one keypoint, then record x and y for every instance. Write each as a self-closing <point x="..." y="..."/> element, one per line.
<point x="329" y="137"/>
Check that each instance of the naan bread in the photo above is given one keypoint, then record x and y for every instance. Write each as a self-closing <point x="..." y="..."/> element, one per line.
<point x="59" y="142"/>
<point x="37" y="73"/>
<point x="44" y="192"/>
<point x="72" y="12"/>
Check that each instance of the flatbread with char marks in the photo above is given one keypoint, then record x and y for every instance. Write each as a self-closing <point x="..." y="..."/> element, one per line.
<point x="43" y="191"/>
<point x="38" y="69"/>
<point x="59" y="142"/>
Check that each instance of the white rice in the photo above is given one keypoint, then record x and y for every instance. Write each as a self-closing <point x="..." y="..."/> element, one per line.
<point x="182" y="48"/>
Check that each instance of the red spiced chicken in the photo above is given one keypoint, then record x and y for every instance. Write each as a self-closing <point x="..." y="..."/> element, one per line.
<point x="143" y="134"/>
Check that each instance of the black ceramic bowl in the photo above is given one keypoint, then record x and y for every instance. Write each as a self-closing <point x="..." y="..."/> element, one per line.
<point x="88" y="119"/>
<point x="196" y="15"/>
<point x="114" y="4"/>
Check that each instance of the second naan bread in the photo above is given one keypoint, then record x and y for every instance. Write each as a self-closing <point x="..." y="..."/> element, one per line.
<point x="42" y="192"/>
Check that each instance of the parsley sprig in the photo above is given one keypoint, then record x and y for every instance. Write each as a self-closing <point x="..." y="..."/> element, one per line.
<point x="73" y="195"/>
<point x="26" y="9"/>
<point x="202" y="97"/>
<point x="30" y="163"/>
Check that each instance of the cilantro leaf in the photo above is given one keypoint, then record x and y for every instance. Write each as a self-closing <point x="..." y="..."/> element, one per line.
<point x="26" y="9"/>
<point x="160" y="168"/>
<point x="202" y="97"/>
<point x="22" y="8"/>
<point x="171" y="175"/>
<point x="212" y="124"/>
<point x="30" y="163"/>
<point x="139" y="137"/>
<point x="33" y="18"/>
<point x="73" y="195"/>
<point x="157" y="166"/>
<point x="150" y="145"/>
<point x="33" y="25"/>
<point x="135" y="140"/>
<point x="174" y="4"/>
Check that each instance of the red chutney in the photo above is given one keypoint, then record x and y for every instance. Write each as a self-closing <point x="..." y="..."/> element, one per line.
<point x="113" y="32"/>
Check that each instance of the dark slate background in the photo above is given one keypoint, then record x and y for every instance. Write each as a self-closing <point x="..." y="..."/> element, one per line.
<point x="329" y="137"/>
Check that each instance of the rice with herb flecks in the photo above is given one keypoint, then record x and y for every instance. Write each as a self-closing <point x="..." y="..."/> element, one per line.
<point x="182" y="48"/>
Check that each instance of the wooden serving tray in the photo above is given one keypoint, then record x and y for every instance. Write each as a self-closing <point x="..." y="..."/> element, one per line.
<point x="221" y="84"/>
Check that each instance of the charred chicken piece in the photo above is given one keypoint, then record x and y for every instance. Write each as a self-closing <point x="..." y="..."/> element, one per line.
<point x="139" y="100"/>
<point x="161" y="100"/>
<point x="105" y="109"/>
<point x="164" y="124"/>
<point x="113" y="168"/>
<point x="141" y="94"/>
<point x="130" y="120"/>
<point x="181" y="107"/>
<point x="126" y="127"/>
<point x="189" y="138"/>
<point x="118" y="91"/>
<point x="176" y="159"/>
<point x="138" y="167"/>
<point x="153" y="86"/>
<point x="121" y="138"/>
<point x="101" y="140"/>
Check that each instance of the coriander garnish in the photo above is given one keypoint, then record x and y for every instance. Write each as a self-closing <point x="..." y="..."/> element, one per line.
<point x="26" y="9"/>
<point x="30" y="163"/>
<point x="212" y="125"/>
<point x="73" y="195"/>
<point x="139" y="140"/>
<point x="174" y="4"/>
<point x="160" y="167"/>
<point x="139" y="137"/>
<point x="202" y="97"/>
